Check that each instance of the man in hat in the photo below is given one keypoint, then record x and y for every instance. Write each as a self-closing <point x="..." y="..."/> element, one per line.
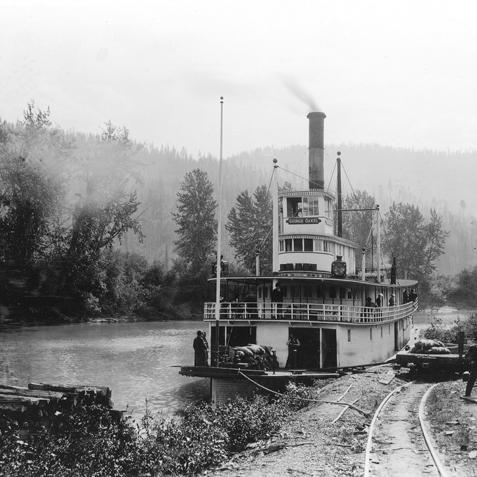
<point x="277" y="297"/>
<point x="472" y="357"/>
<point x="200" y="350"/>
<point x="379" y="302"/>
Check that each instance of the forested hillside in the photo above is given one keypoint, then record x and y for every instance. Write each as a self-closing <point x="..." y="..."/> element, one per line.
<point x="87" y="220"/>
<point x="443" y="181"/>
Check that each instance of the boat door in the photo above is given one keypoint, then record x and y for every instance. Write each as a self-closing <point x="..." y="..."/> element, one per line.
<point x="328" y="348"/>
<point x="396" y="336"/>
<point x="308" y="352"/>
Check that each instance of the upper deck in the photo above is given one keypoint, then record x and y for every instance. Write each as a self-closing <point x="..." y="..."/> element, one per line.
<point x="308" y="312"/>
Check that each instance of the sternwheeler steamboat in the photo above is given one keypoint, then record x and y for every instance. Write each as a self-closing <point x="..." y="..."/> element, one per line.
<point x="316" y="313"/>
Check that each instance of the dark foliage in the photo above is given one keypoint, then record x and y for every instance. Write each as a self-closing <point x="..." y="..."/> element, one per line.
<point x="89" y="441"/>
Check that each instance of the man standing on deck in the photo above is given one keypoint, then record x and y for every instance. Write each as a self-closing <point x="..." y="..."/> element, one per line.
<point x="277" y="297"/>
<point x="200" y="350"/>
<point x="472" y="357"/>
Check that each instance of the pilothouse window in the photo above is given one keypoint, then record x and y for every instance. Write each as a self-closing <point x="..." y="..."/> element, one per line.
<point x="310" y="206"/>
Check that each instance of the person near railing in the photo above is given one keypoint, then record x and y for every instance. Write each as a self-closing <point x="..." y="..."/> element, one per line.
<point x="368" y="309"/>
<point x="392" y="300"/>
<point x="379" y="303"/>
<point x="277" y="299"/>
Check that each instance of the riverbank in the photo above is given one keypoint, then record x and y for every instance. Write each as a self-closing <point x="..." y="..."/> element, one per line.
<point x="321" y="439"/>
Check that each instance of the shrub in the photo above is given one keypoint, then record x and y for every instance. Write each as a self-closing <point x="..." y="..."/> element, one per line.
<point x="89" y="441"/>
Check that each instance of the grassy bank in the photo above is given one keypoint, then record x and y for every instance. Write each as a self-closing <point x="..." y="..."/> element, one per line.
<point x="91" y="442"/>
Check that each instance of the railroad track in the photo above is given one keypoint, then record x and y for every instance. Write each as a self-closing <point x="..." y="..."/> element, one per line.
<point x="399" y="441"/>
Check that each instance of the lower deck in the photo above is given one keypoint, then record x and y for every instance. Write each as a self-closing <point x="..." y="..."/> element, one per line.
<point x="321" y="346"/>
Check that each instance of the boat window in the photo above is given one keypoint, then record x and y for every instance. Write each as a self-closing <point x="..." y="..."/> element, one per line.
<point x="349" y="336"/>
<point x="281" y="245"/>
<point x="294" y="206"/>
<point x="342" y="292"/>
<point x="288" y="245"/>
<point x="350" y="293"/>
<point x="265" y="292"/>
<point x="318" y="245"/>
<point x="332" y="292"/>
<point x="259" y="292"/>
<point x="310" y="206"/>
<point x="328" y="246"/>
<point x="328" y="207"/>
<point x="298" y="245"/>
<point x="308" y="245"/>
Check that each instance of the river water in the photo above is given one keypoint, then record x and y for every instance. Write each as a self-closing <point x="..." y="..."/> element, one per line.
<point x="136" y="360"/>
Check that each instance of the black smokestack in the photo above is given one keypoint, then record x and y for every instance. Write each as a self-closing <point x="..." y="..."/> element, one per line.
<point x="316" y="175"/>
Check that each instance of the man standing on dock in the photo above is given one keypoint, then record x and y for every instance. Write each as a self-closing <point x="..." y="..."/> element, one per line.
<point x="472" y="357"/>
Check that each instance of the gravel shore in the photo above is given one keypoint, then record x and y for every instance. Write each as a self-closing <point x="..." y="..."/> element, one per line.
<point x="316" y="440"/>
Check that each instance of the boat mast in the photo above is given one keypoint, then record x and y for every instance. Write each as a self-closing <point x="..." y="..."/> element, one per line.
<point x="339" y="193"/>
<point x="275" y="211"/>
<point x="378" y="244"/>
<point x="219" y="240"/>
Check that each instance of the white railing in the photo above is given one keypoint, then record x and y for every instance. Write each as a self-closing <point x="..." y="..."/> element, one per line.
<point x="307" y="312"/>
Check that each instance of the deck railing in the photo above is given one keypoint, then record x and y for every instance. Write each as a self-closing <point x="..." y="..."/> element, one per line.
<point x="307" y="312"/>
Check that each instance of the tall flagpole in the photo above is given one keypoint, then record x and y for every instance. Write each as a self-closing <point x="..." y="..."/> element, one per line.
<point x="219" y="239"/>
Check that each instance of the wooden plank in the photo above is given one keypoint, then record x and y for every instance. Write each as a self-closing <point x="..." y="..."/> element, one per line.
<point x="72" y="389"/>
<point x="32" y="393"/>
<point x="62" y="388"/>
<point x="469" y="399"/>
<point x="34" y="401"/>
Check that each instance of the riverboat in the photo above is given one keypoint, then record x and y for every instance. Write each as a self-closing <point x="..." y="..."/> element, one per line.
<point x="316" y="311"/>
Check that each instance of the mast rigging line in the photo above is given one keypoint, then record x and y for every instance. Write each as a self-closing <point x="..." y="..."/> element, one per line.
<point x="262" y="243"/>
<point x="298" y="175"/>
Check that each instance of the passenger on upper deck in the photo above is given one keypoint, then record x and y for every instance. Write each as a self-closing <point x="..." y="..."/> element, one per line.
<point x="277" y="297"/>
<point x="392" y="300"/>
<point x="405" y="296"/>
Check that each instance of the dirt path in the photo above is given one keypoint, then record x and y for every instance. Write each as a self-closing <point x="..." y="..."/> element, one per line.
<point x="311" y="443"/>
<point x="454" y="428"/>
<point x="399" y="447"/>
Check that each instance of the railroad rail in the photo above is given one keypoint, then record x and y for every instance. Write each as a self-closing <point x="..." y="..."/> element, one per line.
<point x="399" y="440"/>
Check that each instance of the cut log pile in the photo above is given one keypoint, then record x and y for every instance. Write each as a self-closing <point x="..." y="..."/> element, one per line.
<point x="38" y="401"/>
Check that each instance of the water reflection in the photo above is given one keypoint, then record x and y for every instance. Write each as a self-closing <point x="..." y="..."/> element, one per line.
<point x="135" y="359"/>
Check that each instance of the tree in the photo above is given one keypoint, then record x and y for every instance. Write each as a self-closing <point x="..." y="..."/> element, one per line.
<point x="35" y="118"/>
<point x="195" y="219"/>
<point x="28" y="200"/>
<point x="435" y="237"/>
<point x="415" y="243"/>
<point x="97" y="225"/>
<point x="250" y="227"/>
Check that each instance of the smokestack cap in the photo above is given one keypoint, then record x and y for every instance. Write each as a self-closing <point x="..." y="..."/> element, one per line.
<point x="316" y="114"/>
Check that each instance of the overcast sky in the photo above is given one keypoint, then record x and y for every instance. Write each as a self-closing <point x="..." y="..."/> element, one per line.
<point x="398" y="73"/>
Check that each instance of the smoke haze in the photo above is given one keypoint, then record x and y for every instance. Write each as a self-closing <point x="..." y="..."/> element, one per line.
<point x="299" y="92"/>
